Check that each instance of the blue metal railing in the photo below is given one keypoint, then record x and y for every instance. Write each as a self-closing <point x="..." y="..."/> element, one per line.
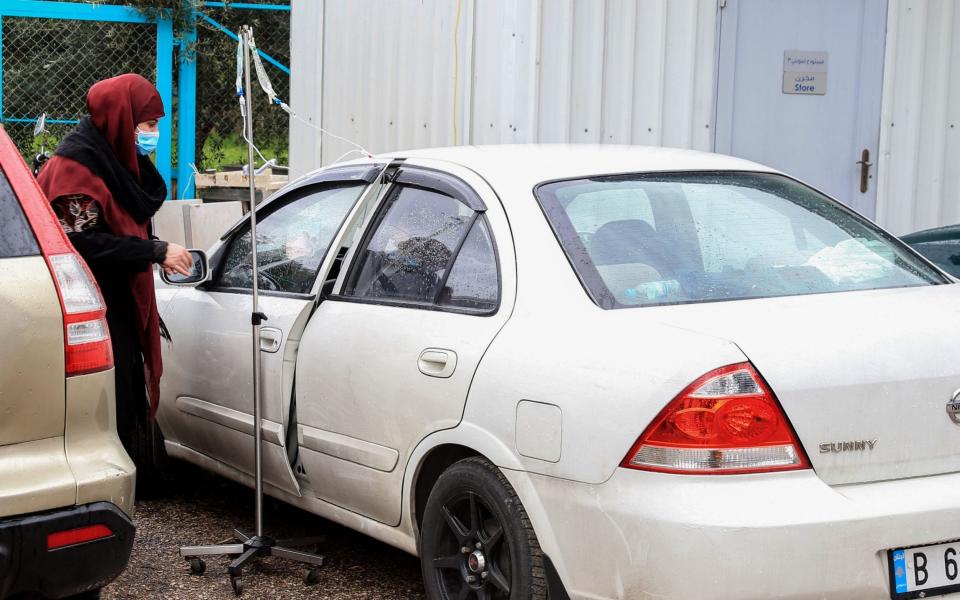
<point x="248" y="6"/>
<point x="34" y="120"/>
<point x="234" y="37"/>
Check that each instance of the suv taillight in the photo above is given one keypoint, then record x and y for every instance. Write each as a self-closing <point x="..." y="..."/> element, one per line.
<point x="727" y="421"/>
<point x="86" y="335"/>
<point x="86" y="338"/>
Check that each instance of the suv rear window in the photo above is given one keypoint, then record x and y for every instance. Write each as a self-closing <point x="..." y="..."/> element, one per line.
<point x="671" y="238"/>
<point x="16" y="237"/>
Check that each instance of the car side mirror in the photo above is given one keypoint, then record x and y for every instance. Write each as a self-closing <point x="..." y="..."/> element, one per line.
<point x="199" y="273"/>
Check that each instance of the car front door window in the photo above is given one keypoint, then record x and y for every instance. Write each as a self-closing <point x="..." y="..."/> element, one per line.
<point x="292" y="241"/>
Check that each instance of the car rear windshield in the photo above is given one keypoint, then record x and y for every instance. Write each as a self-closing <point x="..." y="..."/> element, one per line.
<point x="16" y="237"/>
<point x="672" y="238"/>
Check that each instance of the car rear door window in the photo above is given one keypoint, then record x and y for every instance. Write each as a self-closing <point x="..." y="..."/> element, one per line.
<point x="474" y="280"/>
<point x="412" y="245"/>
<point x="16" y="236"/>
<point x="292" y="241"/>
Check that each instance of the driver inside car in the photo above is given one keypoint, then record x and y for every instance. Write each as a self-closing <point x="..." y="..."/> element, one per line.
<point x="413" y="270"/>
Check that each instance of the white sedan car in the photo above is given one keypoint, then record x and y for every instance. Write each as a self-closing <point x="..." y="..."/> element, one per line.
<point x="587" y="372"/>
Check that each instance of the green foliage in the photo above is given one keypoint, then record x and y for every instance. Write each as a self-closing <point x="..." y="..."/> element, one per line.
<point x="232" y="150"/>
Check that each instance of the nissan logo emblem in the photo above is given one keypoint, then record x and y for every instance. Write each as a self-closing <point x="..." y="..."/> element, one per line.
<point x="953" y="407"/>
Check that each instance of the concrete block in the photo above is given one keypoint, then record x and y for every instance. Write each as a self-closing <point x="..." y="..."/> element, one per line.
<point x="168" y="223"/>
<point x="205" y="223"/>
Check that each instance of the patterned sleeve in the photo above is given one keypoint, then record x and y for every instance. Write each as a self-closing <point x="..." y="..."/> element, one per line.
<point x="77" y="213"/>
<point x="79" y="216"/>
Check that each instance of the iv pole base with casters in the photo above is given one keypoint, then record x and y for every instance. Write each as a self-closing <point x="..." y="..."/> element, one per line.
<point x="248" y="548"/>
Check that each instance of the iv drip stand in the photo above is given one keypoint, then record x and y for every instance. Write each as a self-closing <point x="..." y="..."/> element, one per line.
<point x="248" y="548"/>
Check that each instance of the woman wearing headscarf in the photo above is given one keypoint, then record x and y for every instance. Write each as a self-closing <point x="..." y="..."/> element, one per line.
<point x="104" y="188"/>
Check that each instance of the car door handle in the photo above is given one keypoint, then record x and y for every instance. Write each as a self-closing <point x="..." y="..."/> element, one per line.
<point x="270" y="339"/>
<point x="437" y="362"/>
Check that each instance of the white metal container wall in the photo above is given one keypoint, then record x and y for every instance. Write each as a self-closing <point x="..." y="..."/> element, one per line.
<point x="919" y="166"/>
<point x="418" y="73"/>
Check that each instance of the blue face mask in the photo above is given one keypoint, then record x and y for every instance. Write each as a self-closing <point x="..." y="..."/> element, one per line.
<point x="147" y="142"/>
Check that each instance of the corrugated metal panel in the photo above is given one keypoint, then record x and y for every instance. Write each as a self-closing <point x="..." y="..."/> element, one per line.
<point x="418" y="73"/>
<point x="308" y="66"/>
<point x="919" y="179"/>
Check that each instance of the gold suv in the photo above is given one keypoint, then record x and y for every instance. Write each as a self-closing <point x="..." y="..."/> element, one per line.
<point x="66" y="484"/>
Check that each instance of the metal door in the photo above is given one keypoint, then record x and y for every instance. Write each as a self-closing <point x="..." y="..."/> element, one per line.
<point x="799" y="87"/>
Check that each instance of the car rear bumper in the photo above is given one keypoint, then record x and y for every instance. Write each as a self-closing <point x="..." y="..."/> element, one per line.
<point x="87" y="464"/>
<point x="27" y="566"/>
<point x="786" y="535"/>
<point x="98" y="463"/>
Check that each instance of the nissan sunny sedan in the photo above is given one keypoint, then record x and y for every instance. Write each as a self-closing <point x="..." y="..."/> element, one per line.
<point x="587" y="372"/>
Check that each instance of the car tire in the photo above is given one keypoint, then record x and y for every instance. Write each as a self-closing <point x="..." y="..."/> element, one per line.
<point x="88" y="595"/>
<point x="476" y="535"/>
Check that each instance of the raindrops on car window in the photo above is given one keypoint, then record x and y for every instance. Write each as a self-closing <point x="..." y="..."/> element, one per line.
<point x="410" y="251"/>
<point x="292" y="241"/>
<point x="474" y="281"/>
<point x="662" y="239"/>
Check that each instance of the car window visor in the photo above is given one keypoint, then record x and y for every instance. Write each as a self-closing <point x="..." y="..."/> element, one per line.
<point x="443" y="183"/>
<point x="356" y="173"/>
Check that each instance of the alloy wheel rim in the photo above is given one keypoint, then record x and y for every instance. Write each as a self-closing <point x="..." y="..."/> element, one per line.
<point x="471" y="558"/>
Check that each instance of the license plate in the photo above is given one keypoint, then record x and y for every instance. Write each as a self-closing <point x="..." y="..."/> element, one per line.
<point x="924" y="571"/>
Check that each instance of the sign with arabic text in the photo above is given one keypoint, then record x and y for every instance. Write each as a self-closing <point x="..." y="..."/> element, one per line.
<point x="804" y="72"/>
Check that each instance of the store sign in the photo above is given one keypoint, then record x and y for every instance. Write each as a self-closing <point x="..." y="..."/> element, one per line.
<point x="804" y="72"/>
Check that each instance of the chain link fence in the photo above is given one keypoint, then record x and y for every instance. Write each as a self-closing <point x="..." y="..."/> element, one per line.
<point x="49" y="64"/>
<point x="219" y="125"/>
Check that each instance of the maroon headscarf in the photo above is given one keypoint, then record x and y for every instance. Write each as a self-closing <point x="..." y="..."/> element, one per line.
<point x="116" y="106"/>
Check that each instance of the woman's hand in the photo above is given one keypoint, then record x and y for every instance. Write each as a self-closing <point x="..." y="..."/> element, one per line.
<point x="177" y="260"/>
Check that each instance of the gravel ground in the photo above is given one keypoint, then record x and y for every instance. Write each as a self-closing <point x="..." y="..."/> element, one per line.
<point x="201" y="508"/>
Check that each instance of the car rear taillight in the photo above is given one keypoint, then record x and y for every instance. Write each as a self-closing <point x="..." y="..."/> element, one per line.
<point x="727" y="421"/>
<point x="86" y="338"/>
<point x="80" y="535"/>
<point x="86" y="335"/>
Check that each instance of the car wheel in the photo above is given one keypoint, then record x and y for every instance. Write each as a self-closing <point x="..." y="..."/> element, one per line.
<point x="88" y="595"/>
<point x="476" y="540"/>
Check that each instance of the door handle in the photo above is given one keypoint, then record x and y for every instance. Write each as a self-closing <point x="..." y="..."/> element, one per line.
<point x="865" y="165"/>
<point x="270" y="339"/>
<point x="437" y="362"/>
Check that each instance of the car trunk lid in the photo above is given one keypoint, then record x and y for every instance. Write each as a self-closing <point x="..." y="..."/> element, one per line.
<point x="864" y="377"/>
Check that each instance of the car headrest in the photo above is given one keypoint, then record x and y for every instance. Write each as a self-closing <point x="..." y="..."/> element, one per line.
<point x="622" y="242"/>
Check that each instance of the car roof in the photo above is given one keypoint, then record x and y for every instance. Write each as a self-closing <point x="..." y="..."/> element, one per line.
<point x="534" y="163"/>
<point x="937" y="234"/>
